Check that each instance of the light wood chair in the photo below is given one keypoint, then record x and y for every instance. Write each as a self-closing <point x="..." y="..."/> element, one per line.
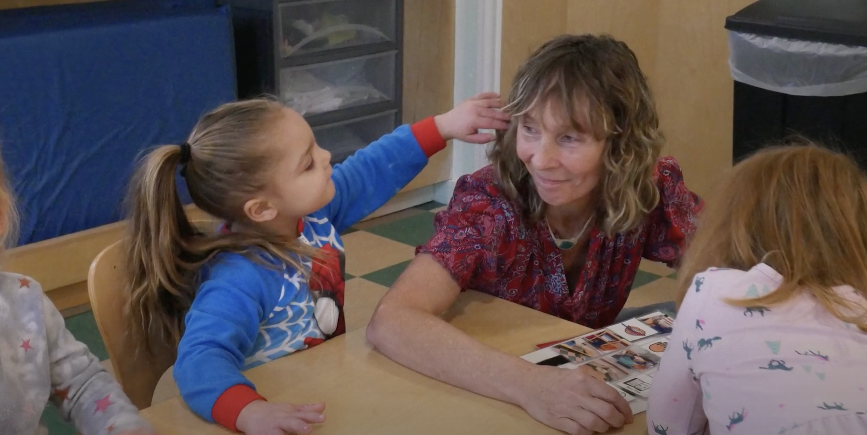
<point x="137" y="372"/>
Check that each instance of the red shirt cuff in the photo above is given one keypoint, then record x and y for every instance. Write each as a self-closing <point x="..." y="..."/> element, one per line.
<point x="428" y="136"/>
<point x="230" y="403"/>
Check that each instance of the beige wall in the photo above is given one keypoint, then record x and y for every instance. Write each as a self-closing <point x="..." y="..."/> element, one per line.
<point x="428" y="73"/>
<point x="682" y="48"/>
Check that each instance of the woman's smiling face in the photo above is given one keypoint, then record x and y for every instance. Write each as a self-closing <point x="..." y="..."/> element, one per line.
<point x="564" y="161"/>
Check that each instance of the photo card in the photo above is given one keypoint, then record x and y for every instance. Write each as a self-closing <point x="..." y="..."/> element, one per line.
<point x="606" y="340"/>
<point x="633" y="330"/>
<point x="657" y="347"/>
<point x="660" y="322"/>
<point x="636" y="359"/>
<point x="636" y="384"/>
<point x="577" y="350"/>
<point x="605" y="369"/>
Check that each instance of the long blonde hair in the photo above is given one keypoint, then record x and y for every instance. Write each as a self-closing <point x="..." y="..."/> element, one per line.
<point x="229" y="162"/>
<point x="597" y="82"/>
<point x="798" y="208"/>
<point x="8" y="212"/>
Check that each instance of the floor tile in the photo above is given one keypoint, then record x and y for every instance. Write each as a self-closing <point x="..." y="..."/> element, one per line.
<point x="437" y="210"/>
<point x="362" y="297"/>
<point x="643" y="278"/>
<point x="367" y="252"/>
<point x="428" y="206"/>
<point x="386" y="277"/>
<point x="413" y="230"/>
<point x="660" y="290"/>
<point x="83" y="327"/>
<point x="74" y="311"/>
<point x="655" y="268"/>
<point x="396" y="216"/>
<point x="55" y="424"/>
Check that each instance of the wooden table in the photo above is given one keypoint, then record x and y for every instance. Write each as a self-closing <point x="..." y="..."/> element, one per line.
<point x="366" y="393"/>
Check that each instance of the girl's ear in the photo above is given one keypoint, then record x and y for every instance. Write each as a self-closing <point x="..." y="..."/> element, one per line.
<point x="259" y="210"/>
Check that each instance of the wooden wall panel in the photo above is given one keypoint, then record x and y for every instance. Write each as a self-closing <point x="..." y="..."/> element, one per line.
<point x="634" y="22"/>
<point x="429" y="57"/>
<point x="428" y="73"/>
<point x="693" y="86"/>
<point x="526" y="25"/>
<point x="683" y="49"/>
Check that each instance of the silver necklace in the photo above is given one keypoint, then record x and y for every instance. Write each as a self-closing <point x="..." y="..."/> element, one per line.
<point x="566" y="244"/>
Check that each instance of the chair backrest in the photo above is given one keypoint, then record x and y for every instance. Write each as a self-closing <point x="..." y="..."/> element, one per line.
<point x="136" y="370"/>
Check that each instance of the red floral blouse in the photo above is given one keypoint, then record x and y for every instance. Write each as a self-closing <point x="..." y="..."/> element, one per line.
<point x="485" y="243"/>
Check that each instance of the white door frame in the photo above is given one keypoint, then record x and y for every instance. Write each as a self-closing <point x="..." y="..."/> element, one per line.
<point x="478" y="40"/>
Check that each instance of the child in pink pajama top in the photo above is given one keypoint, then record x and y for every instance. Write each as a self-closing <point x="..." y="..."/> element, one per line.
<point x="770" y="336"/>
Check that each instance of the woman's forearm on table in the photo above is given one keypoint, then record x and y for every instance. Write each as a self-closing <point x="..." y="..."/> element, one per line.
<point x="427" y="344"/>
<point x="406" y="328"/>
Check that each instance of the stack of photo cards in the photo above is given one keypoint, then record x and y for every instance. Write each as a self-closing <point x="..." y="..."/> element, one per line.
<point x="625" y="355"/>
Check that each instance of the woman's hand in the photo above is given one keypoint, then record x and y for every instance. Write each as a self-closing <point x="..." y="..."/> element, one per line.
<point x="478" y="113"/>
<point x="572" y="401"/>
<point x="264" y="418"/>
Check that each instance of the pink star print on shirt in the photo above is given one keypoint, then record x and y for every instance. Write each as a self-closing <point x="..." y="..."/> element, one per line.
<point x="103" y="404"/>
<point x="25" y="344"/>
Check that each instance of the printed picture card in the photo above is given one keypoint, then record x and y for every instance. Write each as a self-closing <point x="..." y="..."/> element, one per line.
<point x="606" y="369"/>
<point x="633" y="330"/>
<point x="606" y="340"/>
<point x="659" y="322"/>
<point x="636" y="384"/>
<point x="577" y="350"/>
<point x="657" y="347"/>
<point x="637" y="359"/>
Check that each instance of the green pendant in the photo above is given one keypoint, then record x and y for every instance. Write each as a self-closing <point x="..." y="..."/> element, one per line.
<point x="564" y="244"/>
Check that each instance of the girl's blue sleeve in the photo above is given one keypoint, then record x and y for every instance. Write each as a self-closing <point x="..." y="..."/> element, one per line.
<point x="374" y="174"/>
<point x="221" y="329"/>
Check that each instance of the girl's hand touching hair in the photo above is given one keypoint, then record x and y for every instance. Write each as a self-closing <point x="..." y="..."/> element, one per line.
<point x="481" y="112"/>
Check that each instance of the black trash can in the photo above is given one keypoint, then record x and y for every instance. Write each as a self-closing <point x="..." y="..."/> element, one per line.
<point x="800" y="67"/>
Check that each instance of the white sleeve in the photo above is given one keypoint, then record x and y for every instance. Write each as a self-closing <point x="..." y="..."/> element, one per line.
<point x="675" y="405"/>
<point x="81" y="389"/>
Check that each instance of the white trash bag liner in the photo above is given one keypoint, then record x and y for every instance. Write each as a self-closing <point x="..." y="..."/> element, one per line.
<point x="795" y="67"/>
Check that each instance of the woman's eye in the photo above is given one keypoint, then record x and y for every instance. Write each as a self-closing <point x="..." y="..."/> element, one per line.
<point x="528" y="129"/>
<point x="572" y="138"/>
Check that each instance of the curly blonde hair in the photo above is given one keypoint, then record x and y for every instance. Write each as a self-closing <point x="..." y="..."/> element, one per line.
<point x="599" y="86"/>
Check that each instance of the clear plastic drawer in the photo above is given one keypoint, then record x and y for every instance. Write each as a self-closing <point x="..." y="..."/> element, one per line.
<point x="330" y="86"/>
<point x="345" y="138"/>
<point x="318" y="25"/>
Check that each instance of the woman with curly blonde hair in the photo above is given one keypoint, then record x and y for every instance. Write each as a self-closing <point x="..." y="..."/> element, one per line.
<point x="576" y="195"/>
